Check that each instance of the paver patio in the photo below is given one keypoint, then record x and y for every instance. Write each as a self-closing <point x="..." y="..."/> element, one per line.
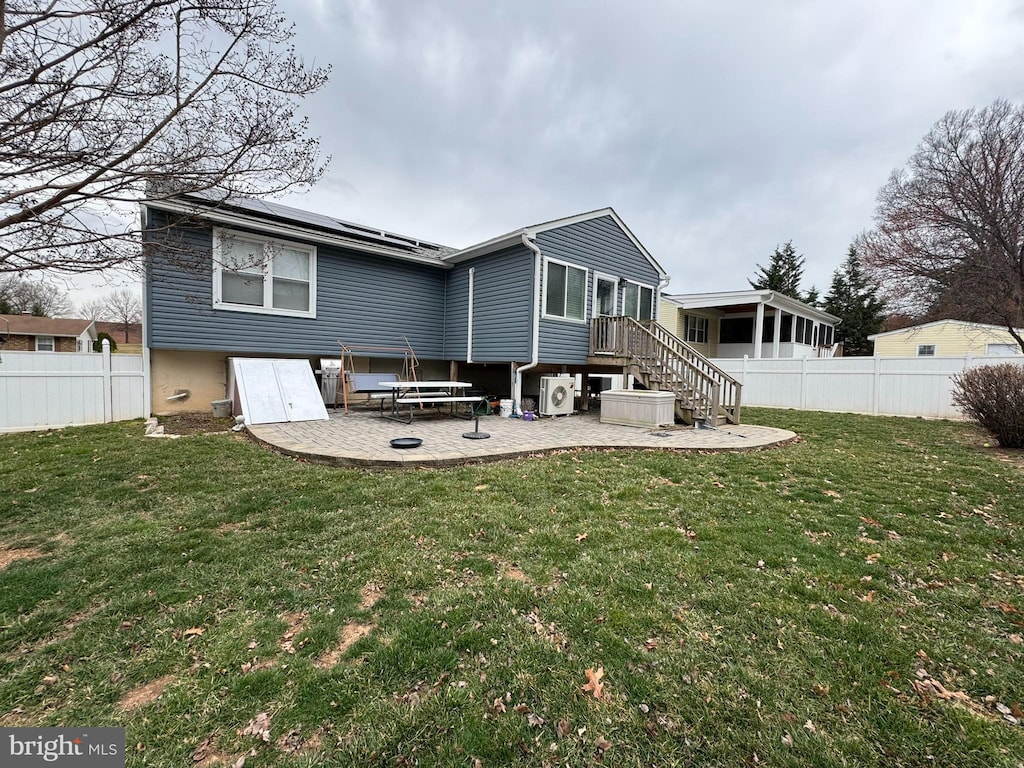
<point x="363" y="438"/>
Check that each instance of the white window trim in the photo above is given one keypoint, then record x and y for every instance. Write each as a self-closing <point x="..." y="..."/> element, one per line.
<point x="934" y="352"/>
<point x="703" y="324"/>
<point x="615" y="293"/>
<point x="53" y="343"/>
<point x="544" y="297"/>
<point x="268" y="287"/>
<point x="654" y="298"/>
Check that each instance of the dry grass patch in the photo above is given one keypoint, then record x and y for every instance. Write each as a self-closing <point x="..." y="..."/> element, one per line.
<point x="8" y="556"/>
<point x="207" y="754"/>
<point x="145" y="694"/>
<point x="296" y="623"/>
<point x="370" y="595"/>
<point x="351" y="633"/>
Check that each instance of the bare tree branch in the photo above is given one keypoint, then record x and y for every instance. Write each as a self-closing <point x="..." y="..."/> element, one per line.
<point x="948" y="240"/>
<point x="104" y="103"/>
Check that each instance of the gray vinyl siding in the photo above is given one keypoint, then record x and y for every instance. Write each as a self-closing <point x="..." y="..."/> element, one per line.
<point x="596" y="245"/>
<point x="502" y="307"/>
<point x="360" y="299"/>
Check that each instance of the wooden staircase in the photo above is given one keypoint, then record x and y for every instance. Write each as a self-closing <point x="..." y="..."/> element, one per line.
<point x="659" y="360"/>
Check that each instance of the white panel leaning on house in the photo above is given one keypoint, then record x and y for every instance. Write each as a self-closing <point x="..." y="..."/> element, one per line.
<point x="272" y="391"/>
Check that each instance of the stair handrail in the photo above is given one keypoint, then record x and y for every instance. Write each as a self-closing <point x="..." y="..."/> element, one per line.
<point x="653" y="345"/>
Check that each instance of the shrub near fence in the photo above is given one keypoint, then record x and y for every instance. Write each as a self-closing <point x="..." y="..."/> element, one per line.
<point x="892" y="386"/>
<point x="42" y="390"/>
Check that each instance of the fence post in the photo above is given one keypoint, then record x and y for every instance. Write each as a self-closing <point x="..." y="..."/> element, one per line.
<point x="876" y="393"/>
<point x="803" y="383"/>
<point x="743" y="373"/>
<point x="108" y="387"/>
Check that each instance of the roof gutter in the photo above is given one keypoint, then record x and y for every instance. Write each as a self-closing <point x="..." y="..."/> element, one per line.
<point x="517" y="381"/>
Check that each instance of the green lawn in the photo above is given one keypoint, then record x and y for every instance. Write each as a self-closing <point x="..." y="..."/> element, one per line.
<point x="853" y="599"/>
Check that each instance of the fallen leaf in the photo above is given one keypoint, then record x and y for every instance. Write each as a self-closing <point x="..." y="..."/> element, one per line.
<point x="259" y="726"/>
<point x="535" y="720"/>
<point x="809" y="727"/>
<point x="869" y="597"/>
<point x="651" y="643"/>
<point x="873" y="558"/>
<point x="580" y="537"/>
<point x="481" y="487"/>
<point x="833" y="494"/>
<point x="602" y="744"/>
<point x="871" y="521"/>
<point x="193" y="632"/>
<point x="594" y="684"/>
<point x="947" y="556"/>
<point x="787" y="740"/>
<point x="563" y="729"/>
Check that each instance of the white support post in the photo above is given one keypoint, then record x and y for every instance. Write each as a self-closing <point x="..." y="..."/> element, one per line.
<point x="777" y="333"/>
<point x="758" y="330"/>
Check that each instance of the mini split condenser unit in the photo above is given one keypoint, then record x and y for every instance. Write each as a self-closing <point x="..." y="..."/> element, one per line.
<point x="557" y="395"/>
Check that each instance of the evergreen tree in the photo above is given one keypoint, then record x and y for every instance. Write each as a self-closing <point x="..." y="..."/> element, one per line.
<point x="855" y="302"/>
<point x="812" y="297"/>
<point x="783" y="274"/>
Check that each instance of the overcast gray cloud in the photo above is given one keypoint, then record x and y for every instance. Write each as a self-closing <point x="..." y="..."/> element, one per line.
<point x="716" y="130"/>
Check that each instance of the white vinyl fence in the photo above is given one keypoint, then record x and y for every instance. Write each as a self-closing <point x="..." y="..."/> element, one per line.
<point x="894" y="386"/>
<point x="40" y="390"/>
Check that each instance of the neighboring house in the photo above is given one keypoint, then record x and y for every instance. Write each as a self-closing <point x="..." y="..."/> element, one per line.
<point x="726" y="324"/>
<point x="28" y="333"/>
<point x="946" y="338"/>
<point x="252" y="278"/>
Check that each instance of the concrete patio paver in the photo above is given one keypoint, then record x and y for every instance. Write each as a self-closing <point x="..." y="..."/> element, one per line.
<point x="364" y="439"/>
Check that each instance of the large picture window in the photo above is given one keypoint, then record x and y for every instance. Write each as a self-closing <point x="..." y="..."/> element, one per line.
<point x="638" y="301"/>
<point x="257" y="274"/>
<point x="565" y="294"/>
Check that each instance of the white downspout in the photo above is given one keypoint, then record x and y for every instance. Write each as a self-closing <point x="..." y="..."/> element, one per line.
<point x="517" y="381"/>
<point x="147" y="371"/>
<point x="662" y="284"/>
<point x="469" y="328"/>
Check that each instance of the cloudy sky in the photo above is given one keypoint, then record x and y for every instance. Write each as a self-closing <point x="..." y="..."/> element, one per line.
<point x="717" y="130"/>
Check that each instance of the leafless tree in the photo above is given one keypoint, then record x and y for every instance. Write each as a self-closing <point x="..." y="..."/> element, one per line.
<point x="20" y="295"/>
<point x="949" y="227"/>
<point x="124" y="307"/>
<point x="105" y="102"/>
<point x="93" y="309"/>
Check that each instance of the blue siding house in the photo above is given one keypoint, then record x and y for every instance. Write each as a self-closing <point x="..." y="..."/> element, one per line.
<point x="258" y="279"/>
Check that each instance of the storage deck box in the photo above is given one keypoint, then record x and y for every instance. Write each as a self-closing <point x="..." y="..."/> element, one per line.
<point x="638" y="407"/>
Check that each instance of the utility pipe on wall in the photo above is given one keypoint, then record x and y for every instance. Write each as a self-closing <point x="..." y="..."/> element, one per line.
<point x="469" y="323"/>
<point x="517" y="380"/>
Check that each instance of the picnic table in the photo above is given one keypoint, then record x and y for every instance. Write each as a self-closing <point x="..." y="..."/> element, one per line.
<point x="412" y="393"/>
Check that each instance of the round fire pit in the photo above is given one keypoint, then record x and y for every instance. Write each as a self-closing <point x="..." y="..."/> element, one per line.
<point x="406" y="442"/>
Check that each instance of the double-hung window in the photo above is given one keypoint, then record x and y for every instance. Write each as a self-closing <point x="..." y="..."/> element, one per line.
<point x="696" y="329"/>
<point x="259" y="274"/>
<point x="565" y="293"/>
<point x="46" y="344"/>
<point x="638" y="301"/>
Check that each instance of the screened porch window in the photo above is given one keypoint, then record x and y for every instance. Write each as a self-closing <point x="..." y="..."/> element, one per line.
<point x="565" y="294"/>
